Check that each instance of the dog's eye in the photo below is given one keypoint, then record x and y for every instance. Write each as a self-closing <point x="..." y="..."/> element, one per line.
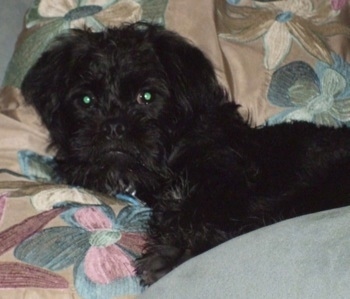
<point x="86" y="100"/>
<point x="145" y="97"/>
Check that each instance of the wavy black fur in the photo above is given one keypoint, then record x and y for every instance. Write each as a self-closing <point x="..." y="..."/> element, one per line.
<point x="139" y="108"/>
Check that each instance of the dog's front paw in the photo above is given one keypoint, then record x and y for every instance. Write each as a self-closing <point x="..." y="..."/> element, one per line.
<point x="159" y="261"/>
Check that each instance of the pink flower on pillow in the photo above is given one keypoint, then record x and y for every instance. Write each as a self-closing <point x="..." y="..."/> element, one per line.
<point x="338" y="4"/>
<point x="104" y="257"/>
<point x="100" y="245"/>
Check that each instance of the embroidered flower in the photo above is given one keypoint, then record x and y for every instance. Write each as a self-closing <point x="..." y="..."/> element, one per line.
<point x="100" y="245"/>
<point x="280" y="23"/>
<point x="95" y="14"/>
<point x="321" y="96"/>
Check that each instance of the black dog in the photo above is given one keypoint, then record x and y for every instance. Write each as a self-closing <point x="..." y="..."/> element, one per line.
<point x="140" y="109"/>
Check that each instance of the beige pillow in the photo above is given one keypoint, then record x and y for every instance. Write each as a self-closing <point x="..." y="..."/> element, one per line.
<point x="275" y="56"/>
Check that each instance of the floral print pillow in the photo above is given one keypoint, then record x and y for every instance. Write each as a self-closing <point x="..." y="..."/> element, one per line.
<point x="312" y="85"/>
<point x="48" y="18"/>
<point x="69" y="240"/>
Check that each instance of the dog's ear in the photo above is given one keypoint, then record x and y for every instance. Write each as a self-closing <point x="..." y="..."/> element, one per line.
<point x="46" y="82"/>
<point x="191" y="75"/>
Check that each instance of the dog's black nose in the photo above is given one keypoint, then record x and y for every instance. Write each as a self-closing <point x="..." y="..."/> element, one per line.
<point x="114" y="128"/>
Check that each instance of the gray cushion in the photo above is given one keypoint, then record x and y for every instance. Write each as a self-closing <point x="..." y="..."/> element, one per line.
<point x="305" y="257"/>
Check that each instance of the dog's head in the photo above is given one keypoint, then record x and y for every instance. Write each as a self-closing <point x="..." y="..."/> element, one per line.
<point x="115" y="102"/>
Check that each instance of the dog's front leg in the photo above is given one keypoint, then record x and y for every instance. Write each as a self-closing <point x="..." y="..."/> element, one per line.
<point x="179" y="230"/>
<point x="159" y="260"/>
<point x="166" y="247"/>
